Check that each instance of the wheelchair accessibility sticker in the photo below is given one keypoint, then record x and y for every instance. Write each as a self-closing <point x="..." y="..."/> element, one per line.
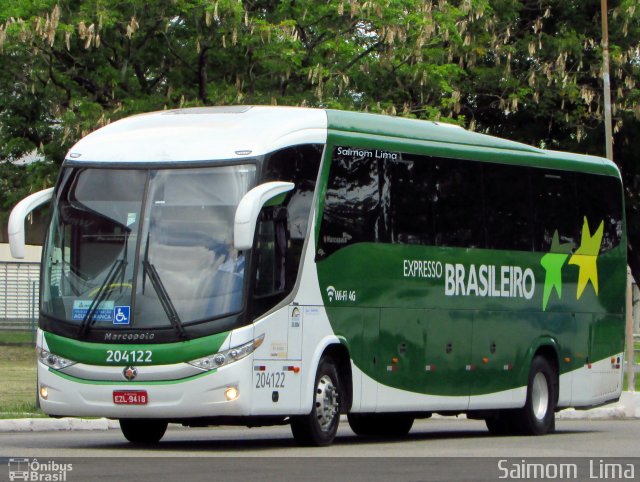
<point x="121" y="315"/>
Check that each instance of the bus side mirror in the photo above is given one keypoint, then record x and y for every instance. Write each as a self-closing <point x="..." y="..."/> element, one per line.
<point x="17" y="217"/>
<point x="244" y="226"/>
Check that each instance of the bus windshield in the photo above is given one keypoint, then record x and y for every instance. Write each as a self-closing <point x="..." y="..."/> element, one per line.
<point x="145" y="248"/>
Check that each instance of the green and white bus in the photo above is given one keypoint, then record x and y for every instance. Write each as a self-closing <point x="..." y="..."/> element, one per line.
<point x="273" y="265"/>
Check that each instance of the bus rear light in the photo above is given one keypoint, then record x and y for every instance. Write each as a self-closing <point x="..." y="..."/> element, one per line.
<point x="508" y="367"/>
<point x="291" y="368"/>
<point x="226" y="357"/>
<point x="260" y="368"/>
<point x="430" y="368"/>
<point x="485" y="360"/>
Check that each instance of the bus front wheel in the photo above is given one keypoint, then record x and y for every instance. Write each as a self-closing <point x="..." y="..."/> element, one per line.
<point x="537" y="417"/>
<point x="143" y="431"/>
<point x="320" y="426"/>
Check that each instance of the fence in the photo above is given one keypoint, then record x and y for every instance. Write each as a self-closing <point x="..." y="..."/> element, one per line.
<point x="19" y="295"/>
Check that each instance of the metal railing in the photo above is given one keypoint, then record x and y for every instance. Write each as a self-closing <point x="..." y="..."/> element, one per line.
<point x="19" y="295"/>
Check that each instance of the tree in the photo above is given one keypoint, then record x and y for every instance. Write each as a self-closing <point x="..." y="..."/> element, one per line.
<point x="528" y="70"/>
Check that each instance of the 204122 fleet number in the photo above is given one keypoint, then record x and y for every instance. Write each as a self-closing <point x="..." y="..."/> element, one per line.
<point x="270" y="380"/>
<point x="129" y="356"/>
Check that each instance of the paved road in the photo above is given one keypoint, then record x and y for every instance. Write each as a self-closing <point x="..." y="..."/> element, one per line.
<point x="280" y="459"/>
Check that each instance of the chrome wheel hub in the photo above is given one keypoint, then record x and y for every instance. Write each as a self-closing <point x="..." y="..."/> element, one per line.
<point x="539" y="396"/>
<point x="327" y="404"/>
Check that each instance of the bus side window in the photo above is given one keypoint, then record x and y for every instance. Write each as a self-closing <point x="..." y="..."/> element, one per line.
<point x="282" y="230"/>
<point x="353" y="206"/>
<point x="599" y="201"/>
<point x="554" y="201"/>
<point x="412" y="200"/>
<point x="458" y="204"/>
<point x="507" y="195"/>
<point x="271" y="246"/>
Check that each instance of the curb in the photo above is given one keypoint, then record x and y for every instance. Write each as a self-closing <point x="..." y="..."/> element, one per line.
<point x="628" y="407"/>
<point x="55" y="424"/>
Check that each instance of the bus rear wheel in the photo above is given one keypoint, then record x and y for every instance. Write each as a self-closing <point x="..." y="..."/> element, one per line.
<point x="380" y="424"/>
<point x="537" y="417"/>
<point x="143" y="431"/>
<point x="320" y="426"/>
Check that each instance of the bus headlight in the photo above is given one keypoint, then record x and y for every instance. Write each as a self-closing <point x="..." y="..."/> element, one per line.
<point x="53" y="361"/>
<point x="223" y="358"/>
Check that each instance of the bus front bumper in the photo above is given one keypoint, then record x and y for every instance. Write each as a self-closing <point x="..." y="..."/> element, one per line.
<point x="204" y="395"/>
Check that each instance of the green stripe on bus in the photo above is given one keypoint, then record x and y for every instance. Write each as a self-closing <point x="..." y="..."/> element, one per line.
<point x="161" y="353"/>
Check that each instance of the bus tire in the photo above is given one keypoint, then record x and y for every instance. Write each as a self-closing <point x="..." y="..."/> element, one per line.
<point x="537" y="417"/>
<point x="143" y="431"/>
<point x="319" y="427"/>
<point x="380" y="424"/>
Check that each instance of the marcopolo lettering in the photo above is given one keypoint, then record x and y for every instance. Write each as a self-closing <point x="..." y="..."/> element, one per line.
<point x="129" y="336"/>
<point x="489" y="281"/>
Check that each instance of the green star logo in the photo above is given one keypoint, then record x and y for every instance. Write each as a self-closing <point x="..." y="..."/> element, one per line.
<point x="586" y="256"/>
<point x="552" y="262"/>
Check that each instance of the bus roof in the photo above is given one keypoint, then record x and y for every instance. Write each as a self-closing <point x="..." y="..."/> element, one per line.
<point x="201" y="134"/>
<point x="418" y="136"/>
<point x="236" y="132"/>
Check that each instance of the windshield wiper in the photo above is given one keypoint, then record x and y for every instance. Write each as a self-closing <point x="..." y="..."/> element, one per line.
<point x="149" y="270"/>
<point x="163" y="296"/>
<point x="88" y="319"/>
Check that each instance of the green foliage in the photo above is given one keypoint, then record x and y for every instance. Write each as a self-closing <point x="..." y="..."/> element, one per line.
<point x="527" y="70"/>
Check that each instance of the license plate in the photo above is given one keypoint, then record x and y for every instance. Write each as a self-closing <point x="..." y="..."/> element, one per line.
<point x="130" y="397"/>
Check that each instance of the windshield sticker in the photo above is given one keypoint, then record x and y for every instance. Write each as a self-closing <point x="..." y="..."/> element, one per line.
<point x="104" y="311"/>
<point x="131" y="218"/>
<point x="121" y="315"/>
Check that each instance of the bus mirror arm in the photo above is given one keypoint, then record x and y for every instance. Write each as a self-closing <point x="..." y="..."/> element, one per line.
<point x="244" y="226"/>
<point x="17" y="217"/>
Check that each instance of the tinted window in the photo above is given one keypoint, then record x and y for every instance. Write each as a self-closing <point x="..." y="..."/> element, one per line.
<point x="352" y="211"/>
<point x="411" y="199"/>
<point x="412" y="196"/>
<point x="298" y="165"/>
<point x="458" y="203"/>
<point x="554" y="198"/>
<point x="509" y="223"/>
<point x="600" y="201"/>
<point x="282" y="230"/>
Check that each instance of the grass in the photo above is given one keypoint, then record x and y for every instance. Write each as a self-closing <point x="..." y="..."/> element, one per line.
<point x="18" y="387"/>
<point x="14" y="336"/>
